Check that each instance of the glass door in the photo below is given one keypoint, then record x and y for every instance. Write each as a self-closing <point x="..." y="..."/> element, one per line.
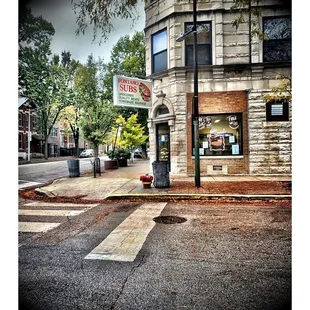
<point x="163" y="142"/>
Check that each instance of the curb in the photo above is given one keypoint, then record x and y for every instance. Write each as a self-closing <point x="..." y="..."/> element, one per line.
<point x="197" y="197"/>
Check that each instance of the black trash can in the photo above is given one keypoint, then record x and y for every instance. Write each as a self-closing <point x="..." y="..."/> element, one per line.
<point x="74" y="168"/>
<point x="161" y="174"/>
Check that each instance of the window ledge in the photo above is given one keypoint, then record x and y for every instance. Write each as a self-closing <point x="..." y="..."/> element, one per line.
<point x="220" y="157"/>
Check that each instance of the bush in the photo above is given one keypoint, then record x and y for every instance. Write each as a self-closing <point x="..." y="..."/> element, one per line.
<point x="119" y="154"/>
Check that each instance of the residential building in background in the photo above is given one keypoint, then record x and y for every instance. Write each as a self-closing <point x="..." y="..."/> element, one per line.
<point x="240" y="132"/>
<point x="59" y="143"/>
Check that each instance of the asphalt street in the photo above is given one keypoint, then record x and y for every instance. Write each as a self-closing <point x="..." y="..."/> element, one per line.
<point x="222" y="257"/>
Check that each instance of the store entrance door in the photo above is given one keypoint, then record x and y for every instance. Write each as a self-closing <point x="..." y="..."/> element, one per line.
<point x="163" y="142"/>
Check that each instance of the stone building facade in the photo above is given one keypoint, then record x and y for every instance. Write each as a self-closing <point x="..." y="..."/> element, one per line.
<point x="239" y="131"/>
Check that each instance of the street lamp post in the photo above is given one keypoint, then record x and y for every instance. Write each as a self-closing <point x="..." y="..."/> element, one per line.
<point x="195" y="107"/>
<point x="29" y="135"/>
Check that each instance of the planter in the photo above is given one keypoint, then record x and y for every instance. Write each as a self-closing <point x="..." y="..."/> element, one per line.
<point x="74" y="168"/>
<point x="122" y="162"/>
<point x="110" y="164"/>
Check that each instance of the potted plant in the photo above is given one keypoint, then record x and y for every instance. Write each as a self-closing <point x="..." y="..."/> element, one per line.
<point x="121" y="155"/>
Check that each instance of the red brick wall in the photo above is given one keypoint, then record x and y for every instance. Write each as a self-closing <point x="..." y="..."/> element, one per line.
<point x="216" y="103"/>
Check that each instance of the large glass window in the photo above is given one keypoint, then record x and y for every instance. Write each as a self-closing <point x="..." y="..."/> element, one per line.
<point x="159" y="51"/>
<point x="278" y="43"/>
<point x="204" y="54"/>
<point x="220" y="134"/>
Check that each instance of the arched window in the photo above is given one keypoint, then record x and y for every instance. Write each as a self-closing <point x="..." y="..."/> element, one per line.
<point x="162" y="110"/>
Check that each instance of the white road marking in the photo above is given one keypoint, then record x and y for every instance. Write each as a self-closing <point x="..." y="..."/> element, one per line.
<point x="126" y="240"/>
<point x="50" y="212"/>
<point x="57" y="204"/>
<point x="28" y="184"/>
<point x="36" y="227"/>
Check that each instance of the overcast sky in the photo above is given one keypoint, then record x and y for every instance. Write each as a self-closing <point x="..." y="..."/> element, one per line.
<point x="61" y="14"/>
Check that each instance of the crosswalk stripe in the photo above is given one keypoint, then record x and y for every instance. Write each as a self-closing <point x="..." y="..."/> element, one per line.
<point x="36" y="227"/>
<point x="50" y="212"/>
<point x="58" y="204"/>
<point x="126" y="240"/>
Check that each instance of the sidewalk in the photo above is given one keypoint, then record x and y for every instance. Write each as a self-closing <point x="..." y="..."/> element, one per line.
<point x="124" y="182"/>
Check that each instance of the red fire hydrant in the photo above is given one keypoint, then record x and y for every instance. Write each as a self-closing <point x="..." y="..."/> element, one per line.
<point x="146" y="180"/>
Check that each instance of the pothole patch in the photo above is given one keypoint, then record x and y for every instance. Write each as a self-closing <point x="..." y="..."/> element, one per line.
<point x="169" y="219"/>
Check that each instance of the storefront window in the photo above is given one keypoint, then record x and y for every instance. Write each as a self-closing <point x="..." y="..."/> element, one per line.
<point x="220" y="135"/>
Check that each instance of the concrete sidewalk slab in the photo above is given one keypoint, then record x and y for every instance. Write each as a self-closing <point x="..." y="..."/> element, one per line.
<point x="125" y="182"/>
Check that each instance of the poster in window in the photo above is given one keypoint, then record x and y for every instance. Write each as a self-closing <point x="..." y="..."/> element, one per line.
<point x="205" y="144"/>
<point x="201" y="151"/>
<point x="231" y="139"/>
<point x="235" y="149"/>
<point x="233" y="121"/>
<point x="217" y="143"/>
<point x="204" y="122"/>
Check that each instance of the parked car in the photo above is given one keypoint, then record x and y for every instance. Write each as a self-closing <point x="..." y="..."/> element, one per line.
<point x="137" y="154"/>
<point x="87" y="153"/>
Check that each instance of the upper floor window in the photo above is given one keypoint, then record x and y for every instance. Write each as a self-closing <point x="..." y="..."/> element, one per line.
<point x="277" y="111"/>
<point x="54" y="132"/>
<point x="20" y="141"/>
<point x="27" y="121"/>
<point x="20" y="119"/>
<point x="204" y="46"/>
<point x="278" y="43"/>
<point x="34" y="121"/>
<point x="159" y="51"/>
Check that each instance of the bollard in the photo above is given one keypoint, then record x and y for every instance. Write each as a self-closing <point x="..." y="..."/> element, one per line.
<point x="97" y="168"/>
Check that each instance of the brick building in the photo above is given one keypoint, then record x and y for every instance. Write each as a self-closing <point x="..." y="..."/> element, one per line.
<point x="239" y="131"/>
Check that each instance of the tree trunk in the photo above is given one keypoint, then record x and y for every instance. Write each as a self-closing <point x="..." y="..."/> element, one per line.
<point x="46" y="148"/>
<point x="96" y="150"/>
<point x="76" y="142"/>
<point x="144" y="153"/>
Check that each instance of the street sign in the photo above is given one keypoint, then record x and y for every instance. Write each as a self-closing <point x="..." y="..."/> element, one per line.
<point x="132" y="92"/>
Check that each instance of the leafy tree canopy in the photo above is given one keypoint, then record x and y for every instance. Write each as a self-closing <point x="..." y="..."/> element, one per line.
<point x="99" y="14"/>
<point x="31" y="29"/>
<point x="132" y="133"/>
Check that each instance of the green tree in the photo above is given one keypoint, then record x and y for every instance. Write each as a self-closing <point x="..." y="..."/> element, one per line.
<point x="100" y="14"/>
<point x="97" y="115"/>
<point x="132" y="133"/>
<point x="128" y="59"/>
<point x="70" y="115"/>
<point x="41" y="79"/>
<point x="96" y="122"/>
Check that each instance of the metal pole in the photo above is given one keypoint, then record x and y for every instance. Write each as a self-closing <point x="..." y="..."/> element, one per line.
<point x="195" y="107"/>
<point x="29" y="135"/>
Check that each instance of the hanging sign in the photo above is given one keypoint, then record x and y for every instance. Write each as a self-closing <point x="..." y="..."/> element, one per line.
<point x="132" y="92"/>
